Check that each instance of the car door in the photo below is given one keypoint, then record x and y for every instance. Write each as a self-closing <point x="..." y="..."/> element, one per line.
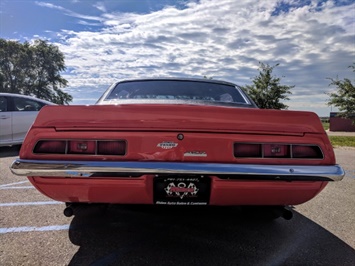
<point x="23" y="116"/>
<point x="5" y="122"/>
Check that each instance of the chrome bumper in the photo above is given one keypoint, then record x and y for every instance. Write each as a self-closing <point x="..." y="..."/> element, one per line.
<point x="94" y="169"/>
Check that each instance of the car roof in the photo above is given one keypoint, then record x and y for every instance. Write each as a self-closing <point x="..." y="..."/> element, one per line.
<point x="26" y="97"/>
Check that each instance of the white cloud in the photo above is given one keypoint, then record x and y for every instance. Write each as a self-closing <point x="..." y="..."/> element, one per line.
<point x="49" y="5"/>
<point x="221" y="39"/>
<point x="100" y="6"/>
<point x="67" y="11"/>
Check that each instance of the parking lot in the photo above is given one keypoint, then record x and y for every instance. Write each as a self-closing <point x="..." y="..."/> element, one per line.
<point x="34" y="231"/>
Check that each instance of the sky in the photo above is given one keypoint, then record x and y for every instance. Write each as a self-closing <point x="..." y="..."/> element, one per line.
<point x="107" y="41"/>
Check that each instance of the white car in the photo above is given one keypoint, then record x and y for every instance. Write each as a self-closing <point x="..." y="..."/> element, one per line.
<point x="17" y="113"/>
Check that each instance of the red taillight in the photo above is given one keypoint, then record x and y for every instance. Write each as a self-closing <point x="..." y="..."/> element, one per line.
<point x="51" y="146"/>
<point x="111" y="147"/>
<point x="81" y="147"/>
<point x="247" y="150"/>
<point x="85" y="147"/>
<point x="306" y="151"/>
<point x="276" y="150"/>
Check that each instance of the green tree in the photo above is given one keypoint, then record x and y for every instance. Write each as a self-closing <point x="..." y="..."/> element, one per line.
<point x="344" y="97"/>
<point x="266" y="90"/>
<point x="33" y="69"/>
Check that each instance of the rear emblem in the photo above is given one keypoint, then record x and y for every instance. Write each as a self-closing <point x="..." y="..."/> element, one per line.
<point x="167" y="145"/>
<point x="195" y="154"/>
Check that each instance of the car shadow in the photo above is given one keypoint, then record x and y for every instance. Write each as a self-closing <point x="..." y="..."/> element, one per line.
<point x="9" y="151"/>
<point x="154" y="235"/>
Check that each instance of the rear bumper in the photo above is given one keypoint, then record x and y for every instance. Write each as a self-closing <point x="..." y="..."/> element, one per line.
<point x="102" y="169"/>
<point x="141" y="191"/>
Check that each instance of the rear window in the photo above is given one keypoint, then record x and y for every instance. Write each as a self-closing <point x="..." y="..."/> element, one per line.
<point x="177" y="90"/>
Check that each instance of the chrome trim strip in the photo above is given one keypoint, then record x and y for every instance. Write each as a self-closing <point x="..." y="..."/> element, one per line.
<point x="89" y="168"/>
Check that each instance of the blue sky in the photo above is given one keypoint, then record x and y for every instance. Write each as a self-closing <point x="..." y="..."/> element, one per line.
<point x="105" y="41"/>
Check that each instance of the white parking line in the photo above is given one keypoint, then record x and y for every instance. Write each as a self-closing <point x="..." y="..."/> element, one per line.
<point x="23" y="187"/>
<point x="11" y="184"/>
<point x="34" y="229"/>
<point x="6" y="230"/>
<point x="10" y="204"/>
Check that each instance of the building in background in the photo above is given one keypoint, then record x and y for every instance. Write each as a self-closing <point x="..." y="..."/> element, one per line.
<point x="337" y="123"/>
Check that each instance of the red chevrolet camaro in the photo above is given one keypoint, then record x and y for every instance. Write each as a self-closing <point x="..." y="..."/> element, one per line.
<point x="177" y="142"/>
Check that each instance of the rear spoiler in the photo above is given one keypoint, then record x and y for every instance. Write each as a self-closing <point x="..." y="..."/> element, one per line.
<point x="177" y="117"/>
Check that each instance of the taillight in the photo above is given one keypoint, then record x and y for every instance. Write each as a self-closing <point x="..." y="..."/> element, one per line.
<point x="111" y="147"/>
<point x="247" y="150"/>
<point x="85" y="147"/>
<point x="53" y="147"/>
<point x="306" y="151"/>
<point x="276" y="150"/>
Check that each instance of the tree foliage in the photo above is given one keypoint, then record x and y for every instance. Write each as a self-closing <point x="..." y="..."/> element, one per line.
<point x="266" y="90"/>
<point x="344" y="97"/>
<point x="33" y="69"/>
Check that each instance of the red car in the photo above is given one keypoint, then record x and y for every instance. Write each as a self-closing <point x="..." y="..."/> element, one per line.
<point x="177" y="142"/>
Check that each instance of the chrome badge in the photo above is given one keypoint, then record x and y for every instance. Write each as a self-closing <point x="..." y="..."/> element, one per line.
<point x="195" y="154"/>
<point x="167" y="145"/>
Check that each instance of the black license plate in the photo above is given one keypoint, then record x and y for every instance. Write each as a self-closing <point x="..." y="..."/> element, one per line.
<point x="178" y="190"/>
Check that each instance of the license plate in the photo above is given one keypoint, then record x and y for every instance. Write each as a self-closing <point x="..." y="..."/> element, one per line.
<point x="182" y="190"/>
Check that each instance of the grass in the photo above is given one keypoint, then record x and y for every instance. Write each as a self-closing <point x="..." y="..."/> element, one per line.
<point x="325" y="125"/>
<point x="342" y="141"/>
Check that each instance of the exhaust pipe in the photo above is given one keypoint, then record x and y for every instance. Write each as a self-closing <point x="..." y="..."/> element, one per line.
<point x="69" y="211"/>
<point x="75" y="208"/>
<point x="280" y="211"/>
<point x="72" y="209"/>
<point x="286" y="214"/>
<point x="268" y="212"/>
